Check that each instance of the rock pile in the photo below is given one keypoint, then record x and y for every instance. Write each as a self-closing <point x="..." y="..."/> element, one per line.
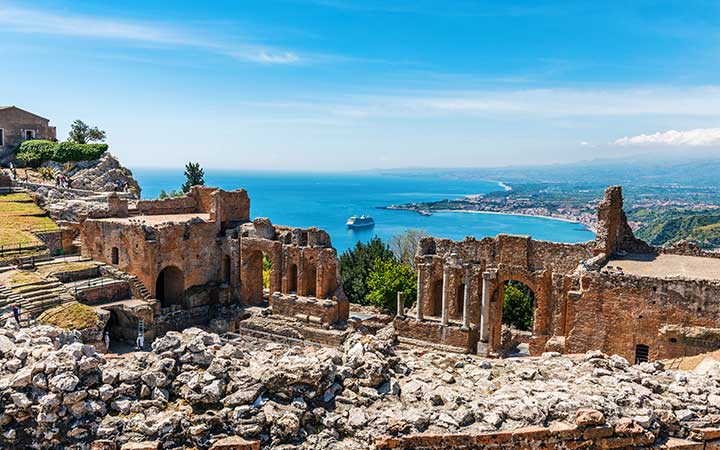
<point x="104" y="174"/>
<point x="193" y="389"/>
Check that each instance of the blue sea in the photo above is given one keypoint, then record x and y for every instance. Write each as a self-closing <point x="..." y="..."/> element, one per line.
<point x="327" y="200"/>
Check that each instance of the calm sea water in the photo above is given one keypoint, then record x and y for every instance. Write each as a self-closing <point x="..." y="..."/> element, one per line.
<point x="326" y="201"/>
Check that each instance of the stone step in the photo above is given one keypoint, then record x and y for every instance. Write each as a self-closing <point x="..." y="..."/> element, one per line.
<point x="29" y="290"/>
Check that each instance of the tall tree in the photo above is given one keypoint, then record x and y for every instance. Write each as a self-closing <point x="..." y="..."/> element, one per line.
<point x="518" y="305"/>
<point x="405" y="245"/>
<point x="356" y="264"/>
<point x="194" y="176"/>
<point x="82" y="133"/>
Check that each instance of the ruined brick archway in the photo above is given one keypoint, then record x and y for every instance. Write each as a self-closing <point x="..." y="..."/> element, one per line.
<point x="252" y="278"/>
<point x="292" y="279"/>
<point x="170" y="286"/>
<point x="529" y="280"/>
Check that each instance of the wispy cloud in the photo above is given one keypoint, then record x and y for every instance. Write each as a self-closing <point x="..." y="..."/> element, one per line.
<point x="551" y="103"/>
<point x="701" y="137"/>
<point x="30" y="21"/>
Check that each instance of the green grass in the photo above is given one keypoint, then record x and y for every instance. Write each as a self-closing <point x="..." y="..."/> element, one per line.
<point x="77" y="266"/>
<point x="19" y="216"/>
<point x="71" y="316"/>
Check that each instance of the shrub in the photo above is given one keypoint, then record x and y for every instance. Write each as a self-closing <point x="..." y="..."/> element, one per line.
<point x="70" y="151"/>
<point x="34" y="152"/>
<point x="386" y="279"/>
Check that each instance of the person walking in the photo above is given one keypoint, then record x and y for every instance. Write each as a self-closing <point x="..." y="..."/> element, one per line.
<point x="16" y="312"/>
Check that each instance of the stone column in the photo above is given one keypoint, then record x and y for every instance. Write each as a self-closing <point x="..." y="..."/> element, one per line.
<point x="401" y="304"/>
<point x="466" y="299"/>
<point x="419" y="312"/>
<point x="485" y="308"/>
<point x="446" y="275"/>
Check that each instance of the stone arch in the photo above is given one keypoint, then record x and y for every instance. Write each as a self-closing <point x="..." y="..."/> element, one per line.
<point x="170" y="286"/>
<point x="436" y="291"/>
<point x="252" y="278"/>
<point x="292" y="279"/>
<point x="459" y="301"/>
<point x="526" y="278"/>
<point x="310" y="277"/>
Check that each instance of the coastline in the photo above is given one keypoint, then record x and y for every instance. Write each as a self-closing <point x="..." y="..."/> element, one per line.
<point x="560" y="218"/>
<point x="504" y="186"/>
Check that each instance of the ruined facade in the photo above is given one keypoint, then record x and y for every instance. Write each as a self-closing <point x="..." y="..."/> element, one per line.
<point x="663" y="304"/>
<point x="17" y="125"/>
<point x="201" y="251"/>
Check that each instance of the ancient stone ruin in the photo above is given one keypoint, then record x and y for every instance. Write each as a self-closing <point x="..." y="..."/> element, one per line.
<point x="282" y="367"/>
<point x="200" y="252"/>
<point x="616" y="294"/>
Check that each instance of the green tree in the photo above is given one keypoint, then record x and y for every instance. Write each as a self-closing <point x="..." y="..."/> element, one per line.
<point x="386" y="279"/>
<point x="194" y="175"/>
<point x="356" y="264"/>
<point x="518" y="306"/>
<point x="82" y="133"/>
<point x="405" y="245"/>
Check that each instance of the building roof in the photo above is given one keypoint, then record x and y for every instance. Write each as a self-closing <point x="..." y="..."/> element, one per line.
<point x="20" y="109"/>
<point x="666" y="266"/>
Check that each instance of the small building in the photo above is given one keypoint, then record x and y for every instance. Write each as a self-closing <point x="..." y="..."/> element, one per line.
<point x="16" y="126"/>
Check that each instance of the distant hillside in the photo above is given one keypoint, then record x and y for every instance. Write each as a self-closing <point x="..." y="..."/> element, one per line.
<point x="702" y="229"/>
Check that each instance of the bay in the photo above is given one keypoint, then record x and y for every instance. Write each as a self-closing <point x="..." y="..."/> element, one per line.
<point x="327" y="200"/>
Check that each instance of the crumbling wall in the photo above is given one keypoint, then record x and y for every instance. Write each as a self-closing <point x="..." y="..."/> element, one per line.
<point x="616" y="312"/>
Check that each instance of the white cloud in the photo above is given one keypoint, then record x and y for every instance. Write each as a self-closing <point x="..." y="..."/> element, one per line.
<point x="29" y="21"/>
<point x="701" y="137"/>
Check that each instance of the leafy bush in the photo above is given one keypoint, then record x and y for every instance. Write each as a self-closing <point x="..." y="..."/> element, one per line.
<point x="70" y="151"/>
<point x="34" y="152"/>
<point x="169" y="194"/>
<point x="386" y="279"/>
<point x="356" y="264"/>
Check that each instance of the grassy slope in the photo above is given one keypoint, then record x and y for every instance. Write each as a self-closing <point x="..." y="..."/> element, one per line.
<point x="701" y="228"/>
<point x="71" y="316"/>
<point x="19" y="215"/>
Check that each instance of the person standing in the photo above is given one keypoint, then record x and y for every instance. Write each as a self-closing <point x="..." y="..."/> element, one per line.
<point x="16" y="313"/>
<point x="140" y="342"/>
<point x="107" y="342"/>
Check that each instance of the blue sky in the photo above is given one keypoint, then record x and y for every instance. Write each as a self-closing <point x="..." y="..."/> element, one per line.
<point x="344" y="85"/>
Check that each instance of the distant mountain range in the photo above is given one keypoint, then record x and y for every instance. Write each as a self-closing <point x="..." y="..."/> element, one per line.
<point x="663" y="169"/>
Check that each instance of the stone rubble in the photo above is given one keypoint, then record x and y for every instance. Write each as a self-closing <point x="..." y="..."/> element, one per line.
<point x="193" y="389"/>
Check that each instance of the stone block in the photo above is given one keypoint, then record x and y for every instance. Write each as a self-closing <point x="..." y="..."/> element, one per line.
<point x="103" y="444"/>
<point x="146" y="445"/>
<point x="235" y="443"/>
<point x="587" y="417"/>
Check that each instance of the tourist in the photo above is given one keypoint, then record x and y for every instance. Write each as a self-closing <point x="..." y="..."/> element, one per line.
<point x="16" y="313"/>
<point x="140" y="342"/>
<point x="26" y="177"/>
<point x="107" y="341"/>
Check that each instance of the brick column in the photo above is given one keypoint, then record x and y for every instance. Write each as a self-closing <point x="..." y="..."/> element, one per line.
<point x="466" y="299"/>
<point x="446" y="275"/>
<point x="485" y="308"/>
<point x="419" y="312"/>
